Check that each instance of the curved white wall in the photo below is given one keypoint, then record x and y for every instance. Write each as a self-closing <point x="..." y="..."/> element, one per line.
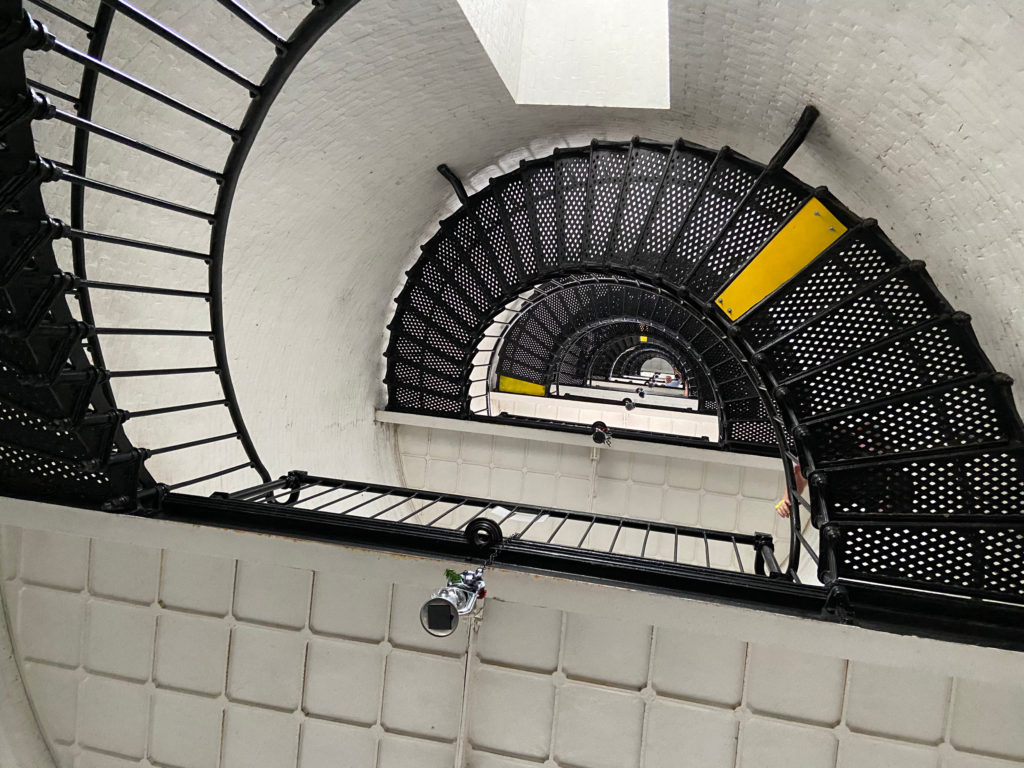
<point x="920" y="128"/>
<point x="342" y="178"/>
<point x="148" y="643"/>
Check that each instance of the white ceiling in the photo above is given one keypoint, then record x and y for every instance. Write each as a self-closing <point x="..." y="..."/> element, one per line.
<point x="575" y="52"/>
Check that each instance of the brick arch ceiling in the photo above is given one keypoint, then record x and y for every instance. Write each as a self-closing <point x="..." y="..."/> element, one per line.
<point x="920" y="128"/>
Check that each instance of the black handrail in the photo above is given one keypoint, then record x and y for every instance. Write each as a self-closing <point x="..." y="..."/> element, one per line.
<point x="285" y="55"/>
<point x="289" y="54"/>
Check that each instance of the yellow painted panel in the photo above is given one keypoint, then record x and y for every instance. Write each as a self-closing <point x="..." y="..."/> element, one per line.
<point x="643" y="338"/>
<point x="508" y="384"/>
<point x="808" y="233"/>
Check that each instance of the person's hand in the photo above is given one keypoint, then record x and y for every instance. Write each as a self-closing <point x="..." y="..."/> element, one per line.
<point x="783" y="508"/>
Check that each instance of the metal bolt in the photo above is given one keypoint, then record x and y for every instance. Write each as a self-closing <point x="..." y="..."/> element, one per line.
<point x="817" y="213"/>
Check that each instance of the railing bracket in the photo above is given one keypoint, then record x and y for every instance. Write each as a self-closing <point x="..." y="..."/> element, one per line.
<point x="837" y="604"/>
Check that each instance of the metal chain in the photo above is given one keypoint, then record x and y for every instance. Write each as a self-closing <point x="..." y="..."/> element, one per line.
<point x="494" y="552"/>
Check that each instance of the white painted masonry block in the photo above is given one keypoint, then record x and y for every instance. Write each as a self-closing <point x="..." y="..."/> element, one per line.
<point x="770" y="687"/>
<point x="272" y="594"/>
<point x="598" y="727"/>
<point x="760" y="483"/>
<point x="90" y="759"/>
<point x="512" y="712"/>
<point x="517" y="635"/>
<point x="260" y="737"/>
<point x="124" y="571"/>
<point x="605" y="650"/>
<point x="54" y="559"/>
<point x="682" y="506"/>
<point x="490" y="760"/>
<point x="699" y="667"/>
<point x="685" y="474"/>
<point x="336" y="745"/>
<point x="10" y="550"/>
<point x="186" y="730"/>
<point x="423" y="695"/>
<point x="113" y="716"/>
<point x="967" y="760"/>
<point x="897" y="702"/>
<point x="775" y="744"/>
<point x="988" y="718"/>
<point x="343" y="680"/>
<point x="197" y="582"/>
<point x="266" y="667"/>
<point x="191" y="653"/>
<point x="119" y="640"/>
<point x="55" y="696"/>
<point x="706" y="736"/>
<point x="50" y="625"/>
<point x="865" y="752"/>
<point x="401" y="752"/>
<point x="349" y="607"/>
<point x="722" y="478"/>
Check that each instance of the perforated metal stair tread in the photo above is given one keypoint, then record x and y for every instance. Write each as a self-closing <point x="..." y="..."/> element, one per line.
<point x="858" y="340"/>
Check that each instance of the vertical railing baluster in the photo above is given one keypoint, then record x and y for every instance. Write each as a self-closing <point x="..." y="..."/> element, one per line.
<point x="555" y="532"/>
<point x="446" y="513"/>
<point x="736" y="549"/>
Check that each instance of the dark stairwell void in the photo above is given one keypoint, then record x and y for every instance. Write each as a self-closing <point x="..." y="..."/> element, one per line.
<point x="855" y="366"/>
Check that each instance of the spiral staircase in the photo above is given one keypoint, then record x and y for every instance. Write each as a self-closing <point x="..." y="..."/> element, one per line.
<point x="806" y="319"/>
<point x="581" y="327"/>
<point x="808" y="332"/>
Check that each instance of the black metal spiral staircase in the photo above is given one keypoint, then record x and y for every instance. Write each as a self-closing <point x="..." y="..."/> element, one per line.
<point x="909" y="438"/>
<point x="579" y="328"/>
<point x="634" y="360"/>
<point x="61" y="430"/>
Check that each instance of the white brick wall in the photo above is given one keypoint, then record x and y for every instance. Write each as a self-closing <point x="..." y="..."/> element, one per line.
<point x="920" y="107"/>
<point x="330" y="668"/>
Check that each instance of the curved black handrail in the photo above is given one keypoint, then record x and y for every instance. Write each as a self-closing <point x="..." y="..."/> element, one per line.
<point x="27" y="33"/>
<point x="324" y="14"/>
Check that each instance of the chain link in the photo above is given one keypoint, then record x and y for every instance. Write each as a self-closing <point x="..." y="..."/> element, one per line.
<point x="494" y="552"/>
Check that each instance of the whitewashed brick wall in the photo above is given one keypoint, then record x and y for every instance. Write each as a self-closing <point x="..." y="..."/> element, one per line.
<point x="921" y="113"/>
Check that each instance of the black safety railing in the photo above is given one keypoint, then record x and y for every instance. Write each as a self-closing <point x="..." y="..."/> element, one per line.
<point x="58" y="379"/>
<point x="740" y="569"/>
<point x="571" y="533"/>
